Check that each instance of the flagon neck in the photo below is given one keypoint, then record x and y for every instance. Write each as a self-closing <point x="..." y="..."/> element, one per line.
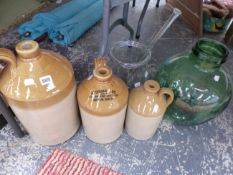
<point x="209" y="54"/>
<point x="28" y="50"/>
<point x="103" y="73"/>
<point x="151" y="87"/>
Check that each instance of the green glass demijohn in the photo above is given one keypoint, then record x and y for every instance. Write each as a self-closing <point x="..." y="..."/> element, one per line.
<point x="201" y="85"/>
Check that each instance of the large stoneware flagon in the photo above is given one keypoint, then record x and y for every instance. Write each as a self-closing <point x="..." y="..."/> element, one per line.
<point x="40" y="88"/>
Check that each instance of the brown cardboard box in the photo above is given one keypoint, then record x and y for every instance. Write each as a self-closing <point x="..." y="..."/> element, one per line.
<point x="191" y="13"/>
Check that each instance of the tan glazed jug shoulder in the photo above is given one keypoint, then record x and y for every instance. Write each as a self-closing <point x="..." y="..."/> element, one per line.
<point x="102" y="101"/>
<point x="147" y="105"/>
<point x="39" y="85"/>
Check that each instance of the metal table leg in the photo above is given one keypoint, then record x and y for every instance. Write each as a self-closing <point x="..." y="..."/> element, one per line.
<point x="134" y="3"/>
<point x="106" y="30"/>
<point x="124" y="21"/>
<point x="141" y="19"/>
<point x="157" y="4"/>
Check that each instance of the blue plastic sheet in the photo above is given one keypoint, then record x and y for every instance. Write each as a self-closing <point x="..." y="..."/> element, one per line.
<point x="70" y="30"/>
<point x="43" y="22"/>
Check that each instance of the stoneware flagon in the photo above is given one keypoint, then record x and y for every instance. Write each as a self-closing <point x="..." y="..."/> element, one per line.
<point x="40" y="88"/>
<point x="102" y="101"/>
<point x="147" y="105"/>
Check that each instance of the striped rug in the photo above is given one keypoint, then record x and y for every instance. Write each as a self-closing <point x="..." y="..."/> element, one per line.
<point x="65" y="163"/>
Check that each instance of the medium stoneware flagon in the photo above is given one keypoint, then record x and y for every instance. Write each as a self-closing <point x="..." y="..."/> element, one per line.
<point x="102" y="101"/>
<point x="39" y="85"/>
<point x="147" y="105"/>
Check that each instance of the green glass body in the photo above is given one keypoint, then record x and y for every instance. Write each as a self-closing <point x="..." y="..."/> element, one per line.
<point x="201" y="84"/>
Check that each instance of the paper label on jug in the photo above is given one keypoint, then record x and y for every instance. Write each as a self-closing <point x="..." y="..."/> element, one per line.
<point x="29" y="82"/>
<point x="216" y="78"/>
<point x="103" y="95"/>
<point x="47" y="80"/>
<point x="137" y="84"/>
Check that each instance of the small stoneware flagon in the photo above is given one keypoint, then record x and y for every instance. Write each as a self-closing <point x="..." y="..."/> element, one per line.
<point x="102" y="99"/>
<point x="147" y="105"/>
<point x="39" y="85"/>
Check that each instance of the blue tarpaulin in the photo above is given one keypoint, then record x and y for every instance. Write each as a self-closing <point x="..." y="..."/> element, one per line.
<point x="43" y="22"/>
<point x="70" y="30"/>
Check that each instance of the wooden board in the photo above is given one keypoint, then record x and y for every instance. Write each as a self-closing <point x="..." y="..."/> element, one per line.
<point x="191" y="13"/>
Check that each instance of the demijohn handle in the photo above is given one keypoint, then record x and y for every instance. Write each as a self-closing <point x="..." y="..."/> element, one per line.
<point x="8" y="56"/>
<point x="169" y="92"/>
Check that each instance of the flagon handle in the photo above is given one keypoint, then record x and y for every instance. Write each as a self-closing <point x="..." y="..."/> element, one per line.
<point x="8" y="56"/>
<point x="169" y="93"/>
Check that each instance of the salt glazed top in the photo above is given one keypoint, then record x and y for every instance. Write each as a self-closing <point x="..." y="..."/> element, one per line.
<point x="102" y="93"/>
<point x="149" y="100"/>
<point x="35" y="78"/>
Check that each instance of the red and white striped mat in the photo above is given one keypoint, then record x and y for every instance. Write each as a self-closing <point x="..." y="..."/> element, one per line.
<point x="65" y="163"/>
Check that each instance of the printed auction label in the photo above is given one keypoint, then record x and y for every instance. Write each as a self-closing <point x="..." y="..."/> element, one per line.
<point x="48" y="82"/>
<point x="103" y="95"/>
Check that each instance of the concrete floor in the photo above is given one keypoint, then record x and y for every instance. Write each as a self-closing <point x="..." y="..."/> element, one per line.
<point x="179" y="150"/>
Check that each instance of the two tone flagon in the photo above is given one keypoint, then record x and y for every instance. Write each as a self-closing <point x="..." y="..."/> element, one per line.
<point x="39" y="85"/>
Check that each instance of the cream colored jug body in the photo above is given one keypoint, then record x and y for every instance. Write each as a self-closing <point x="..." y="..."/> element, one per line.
<point x="53" y="124"/>
<point x="103" y="129"/>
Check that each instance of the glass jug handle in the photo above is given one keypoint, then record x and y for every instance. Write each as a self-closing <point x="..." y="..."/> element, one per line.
<point x="169" y="93"/>
<point x="8" y="56"/>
